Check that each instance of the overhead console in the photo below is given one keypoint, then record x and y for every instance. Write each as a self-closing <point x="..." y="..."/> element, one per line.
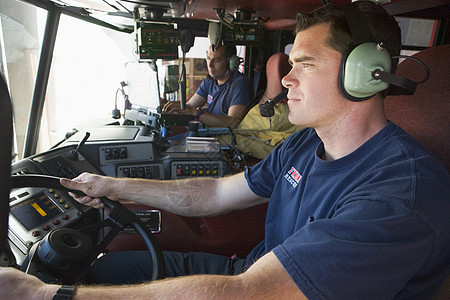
<point x="156" y="41"/>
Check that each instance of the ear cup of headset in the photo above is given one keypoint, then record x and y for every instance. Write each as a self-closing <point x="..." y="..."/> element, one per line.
<point x="356" y="82"/>
<point x="234" y="62"/>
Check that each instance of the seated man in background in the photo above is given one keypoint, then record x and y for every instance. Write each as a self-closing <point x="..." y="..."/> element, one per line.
<point x="226" y="91"/>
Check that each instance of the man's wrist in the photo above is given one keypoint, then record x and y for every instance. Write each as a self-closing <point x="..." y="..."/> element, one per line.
<point x="199" y="113"/>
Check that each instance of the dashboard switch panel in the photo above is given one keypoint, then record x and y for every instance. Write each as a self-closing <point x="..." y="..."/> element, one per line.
<point x="150" y="171"/>
<point x="184" y="169"/>
<point x="112" y="154"/>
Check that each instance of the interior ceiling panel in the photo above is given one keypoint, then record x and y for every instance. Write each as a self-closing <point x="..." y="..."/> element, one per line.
<point x="202" y="9"/>
<point x="261" y="8"/>
<point x="278" y="14"/>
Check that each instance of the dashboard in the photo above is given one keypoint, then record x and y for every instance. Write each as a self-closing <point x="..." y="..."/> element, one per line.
<point x="113" y="150"/>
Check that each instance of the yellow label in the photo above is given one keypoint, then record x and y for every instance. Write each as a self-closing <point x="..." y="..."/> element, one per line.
<point x="39" y="210"/>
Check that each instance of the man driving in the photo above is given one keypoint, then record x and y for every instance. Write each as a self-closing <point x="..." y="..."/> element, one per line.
<point x="357" y="208"/>
<point x="226" y="92"/>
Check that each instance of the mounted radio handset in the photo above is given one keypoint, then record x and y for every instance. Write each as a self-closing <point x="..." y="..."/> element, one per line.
<point x="266" y="108"/>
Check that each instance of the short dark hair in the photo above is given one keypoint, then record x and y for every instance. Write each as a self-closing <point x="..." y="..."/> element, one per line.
<point x="381" y="26"/>
<point x="230" y="50"/>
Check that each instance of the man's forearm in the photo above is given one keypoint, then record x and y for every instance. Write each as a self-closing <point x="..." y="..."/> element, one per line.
<point x="213" y="120"/>
<point x="188" y="197"/>
<point x="200" y="196"/>
<point x="266" y="279"/>
<point x="188" y="287"/>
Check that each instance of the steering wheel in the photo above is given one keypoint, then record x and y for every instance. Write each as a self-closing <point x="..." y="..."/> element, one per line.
<point x="65" y="248"/>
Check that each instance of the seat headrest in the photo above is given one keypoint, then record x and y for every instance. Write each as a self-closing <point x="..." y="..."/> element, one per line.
<point x="426" y="114"/>
<point x="276" y="68"/>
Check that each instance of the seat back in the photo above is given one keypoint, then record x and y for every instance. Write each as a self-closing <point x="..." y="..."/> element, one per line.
<point x="426" y="114"/>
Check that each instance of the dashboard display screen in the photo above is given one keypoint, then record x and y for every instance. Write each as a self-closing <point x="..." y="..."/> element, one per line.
<point x="35" y="211"/>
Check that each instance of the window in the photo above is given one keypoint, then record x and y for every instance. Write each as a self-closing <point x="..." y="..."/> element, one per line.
<point x="87" y="68"/>
<point x="20" y="48"/>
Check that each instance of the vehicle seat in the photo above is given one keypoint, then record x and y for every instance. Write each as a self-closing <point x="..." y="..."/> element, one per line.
<point x="426" y="114"/>
<point x="258" y="135"/>
<point x="276" y="68"/>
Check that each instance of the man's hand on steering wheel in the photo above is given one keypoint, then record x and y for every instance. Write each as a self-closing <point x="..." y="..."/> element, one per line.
<point x="43" y="253"/>
<point x="94" y="186"/>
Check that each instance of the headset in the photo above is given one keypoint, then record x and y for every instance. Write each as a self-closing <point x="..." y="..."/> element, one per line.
<point x="365" y="68"/>
<point x="233" y="61"/>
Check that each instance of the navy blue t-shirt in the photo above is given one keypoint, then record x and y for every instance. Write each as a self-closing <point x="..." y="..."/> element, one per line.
<point x="371" y="225"/>
<point x="236" y="90"/>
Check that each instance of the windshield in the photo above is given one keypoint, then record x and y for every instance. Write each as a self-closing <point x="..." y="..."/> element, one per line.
<point x="87" y="67"/>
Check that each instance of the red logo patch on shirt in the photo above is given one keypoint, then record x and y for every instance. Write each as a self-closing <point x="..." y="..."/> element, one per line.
<point x="293" y="176"/>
